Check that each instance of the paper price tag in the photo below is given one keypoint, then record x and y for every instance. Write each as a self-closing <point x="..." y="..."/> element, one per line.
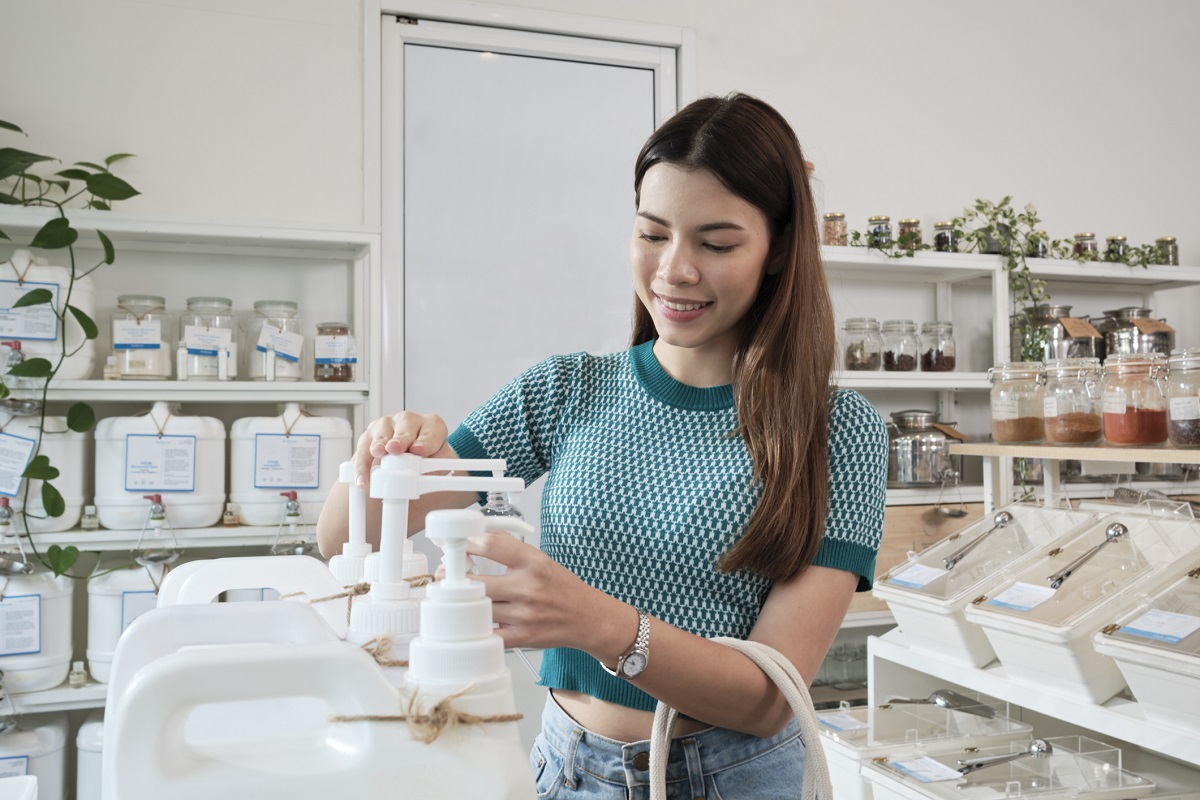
<point x="917" y="576"/>
<point x="21" y="625"/>
<point x="287" y="462"/>
<point x="1005" y="408"/>
<point x="1022" y="597"/>
<point x="1185" y="408"/>
<point x="335" y="350"/>
<point x="1146" y="325"/>
<point x="15" y="453"/>
<point x="38" y="323"/>
<point x="206" y="341"/>
<point x="129" y="334"/>
<point x="14" y="766"/>
<point x="160" y="463"/>
<point x="287" y="346"/>
<point x="1114" y="402"/>
<point x="1163" y="626"/>
<point x="841" y="722"/>
<point x="1050" y="407"/>
<point x="1079" y="328"/>
<point x="926" y="770"/>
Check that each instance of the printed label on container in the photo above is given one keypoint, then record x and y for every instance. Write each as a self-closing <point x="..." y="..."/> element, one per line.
<point x="37" y="323"/>
<point x="15" y="453"/>
<point x="1114" y="402"/>
<point x="206" y="341"/>
<point x="1050" y="407"/>
<point x="842" y="722"/>
<point x="134" y="604"/>
<point x="926" y="770"/>
<point x="1185" y="408"/>
<point x="129" y="334"/>
<point x="917" y="576"/>
<point x="287" y="346"/>
<point x="156" y="463"/>
<point x="335" y="350"/>
<point x="287" y="462"/>
<point x="14" y="766"/>
<point x="1163" y="626"/>
<point x="1022" y="597"/>
<point x="1005" y="408"/>
<point x="21" y="625"/>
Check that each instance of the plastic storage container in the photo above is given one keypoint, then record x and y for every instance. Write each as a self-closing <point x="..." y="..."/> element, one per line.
<point x="294" y="451"/>
<point x="927" y="599"/>
<point x="1076" y="767"/>
<point x="115" y="600"/>
<point x="1071" y="402"/>
<point x="35" y="327"/>
<point x="274" y="342"/>
<point x="1183" y="398"/>
<point x="66" y="450"/>
<point x="160" y="452"/>
<point x="1017" y="402"/>
<point x="89" y="749"/>
<point x="206" y="330"/>
<point x="851" y="736"/>
<point x="1134" y="399"/>
<point x="1042" y="632"/>
<point x="143" y="337"/>
<point x="37" y="747"/>
<point x="35" y="615"/>
<point x="1157" y="648"/>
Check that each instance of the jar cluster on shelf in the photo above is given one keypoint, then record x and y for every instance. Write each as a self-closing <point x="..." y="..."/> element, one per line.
<point x="897" y="345"/>
<point x="1049" y="331"/>
<point x="1134" y="399"/>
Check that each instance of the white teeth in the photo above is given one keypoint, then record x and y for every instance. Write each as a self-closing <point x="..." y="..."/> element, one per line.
<point x="683" y="306"/>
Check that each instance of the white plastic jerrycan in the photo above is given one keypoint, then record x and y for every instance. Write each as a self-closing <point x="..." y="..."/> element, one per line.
<point x="89" y="747"/>
<point x="19" y="435"/>
<point x="40" y="334"/>
<point x="34" y="744"/>
<point x="35" y="612"/>
<point x="115" y="599"/>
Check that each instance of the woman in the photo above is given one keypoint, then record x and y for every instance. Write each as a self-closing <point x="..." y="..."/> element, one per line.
<point x="707" y="482"/>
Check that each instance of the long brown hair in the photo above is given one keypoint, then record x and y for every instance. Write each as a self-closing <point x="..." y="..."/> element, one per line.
<point x="785" y="353"/>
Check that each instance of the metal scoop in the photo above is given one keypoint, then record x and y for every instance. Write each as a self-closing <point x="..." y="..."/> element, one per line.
<point x="1111" y="534"/>
<point x="1037" y="748"/>
<point x="950" y="699"/>
<point x="1002" y="520"/>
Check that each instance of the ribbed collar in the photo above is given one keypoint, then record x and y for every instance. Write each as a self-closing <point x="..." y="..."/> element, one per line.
<point x="661" y="386"/>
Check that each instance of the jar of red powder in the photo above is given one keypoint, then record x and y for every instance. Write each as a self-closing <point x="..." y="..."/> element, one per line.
<point x="1072" y="401"/>
<point x="1134" y="399"/>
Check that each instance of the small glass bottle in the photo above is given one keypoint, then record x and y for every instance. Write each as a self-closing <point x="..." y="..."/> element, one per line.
<point x="1071" y="403"/>
<point x="910" y="234"/>
<point x="1114" y="248"/>
<point x="77" y="676"/>
<point x="207" y="329"/>
<point x="274" y="336"/>
<point x="1017" y="402"/>
<point x="1169" y="249"/>
<point x="1134" y="399"/>
<point x="879" y="231"/>
<point x="937" y="346"/>
<point x="334" y="352"/>
<point x="1085" y="246"/>
<point x="230" y="518"/>
<point x="900" y="351"/>
<point x="142" y="337"/>
<point x="1183" y="398"/>
<point x="945" y="240"/>
<point x="833" y="229"/>
<point x="862" y="344"/>
<point x="89" y="520"/>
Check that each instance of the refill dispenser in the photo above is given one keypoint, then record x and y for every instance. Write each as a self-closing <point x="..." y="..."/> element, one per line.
<point x="349" y="565"/>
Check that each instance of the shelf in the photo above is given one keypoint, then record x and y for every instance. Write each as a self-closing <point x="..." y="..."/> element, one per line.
<point x="929" y="496"/>
<point x="62" y="698"/>
<point x="241" y="536"/>
<point x="868" y="619"/>
<point x="206" y="391"/>
<point x="930" y="381"/>
<point x="1147" y="455"/>
<point x="863" y="263"/>
<point x="1119" y="718"/>
<point x="1114" y="276"/>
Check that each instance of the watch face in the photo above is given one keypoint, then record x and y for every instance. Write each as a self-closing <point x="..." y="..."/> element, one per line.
<point x="633" y="664"/>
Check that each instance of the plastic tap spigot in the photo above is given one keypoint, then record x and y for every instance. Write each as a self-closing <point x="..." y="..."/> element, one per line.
<point x="292" y="507"/>
<point x="158" y="511"/>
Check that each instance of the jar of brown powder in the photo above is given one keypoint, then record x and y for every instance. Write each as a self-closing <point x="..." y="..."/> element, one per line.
<point x="1071" y="401"/>
<point x="1017" y="402"/>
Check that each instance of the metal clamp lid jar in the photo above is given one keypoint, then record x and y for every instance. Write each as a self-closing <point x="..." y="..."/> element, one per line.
<point x="1183" y="398"/>
<point x="1017" y="402"/>
<point x="862" y="344"/>
<point x="143" y="337"/>
<point x="1134" y="399"/>
<point x="1071" y="401"/>
<point x="899" y="345"/>
<point x="918" y="452"/>
<point x="274" y="341"/>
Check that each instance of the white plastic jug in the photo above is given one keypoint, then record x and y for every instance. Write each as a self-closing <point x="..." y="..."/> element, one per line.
<point x="180" y="457"/>
<point x="89" y="748"/>
<point x="41" y="336"/>
<point x="115" y="600"/>
<point x="19" y="787"/>
<point x="66" y="450"/>
<point x="36" y="747"/>
<point x="35" y="630"/>
<point x="293" y="451"/>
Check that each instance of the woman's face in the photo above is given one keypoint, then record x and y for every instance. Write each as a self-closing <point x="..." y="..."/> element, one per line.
<point x="698" y="253"/>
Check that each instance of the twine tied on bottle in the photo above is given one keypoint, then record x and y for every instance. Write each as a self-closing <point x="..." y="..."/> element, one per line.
<point x="428" y="726"/>
<point x="150" y="413"/>
<point x="379" y="647"/>
<point x="139" y="317"/>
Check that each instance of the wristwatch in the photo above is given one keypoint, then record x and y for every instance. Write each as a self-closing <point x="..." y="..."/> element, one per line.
<point x="634" y="661"/>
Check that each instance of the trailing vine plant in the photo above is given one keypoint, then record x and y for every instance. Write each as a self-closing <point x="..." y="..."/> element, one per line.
<point x="96" y="187"/>
<point x="906" y="246"/>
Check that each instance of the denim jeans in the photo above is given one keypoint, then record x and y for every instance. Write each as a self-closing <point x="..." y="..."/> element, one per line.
<point x="572" y="762"/>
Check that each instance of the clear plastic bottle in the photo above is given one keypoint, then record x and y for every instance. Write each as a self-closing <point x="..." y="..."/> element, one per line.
<point x="206" y="329"/>
<point x="862" y="344"/>
<point x="143" y="337"/>
<point x="274" y="338"/>
<point x="900" y="349"/>
<point x="1017" y="402"/>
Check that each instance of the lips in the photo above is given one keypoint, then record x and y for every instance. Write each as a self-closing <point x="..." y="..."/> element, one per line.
<point x="681" y="310"/>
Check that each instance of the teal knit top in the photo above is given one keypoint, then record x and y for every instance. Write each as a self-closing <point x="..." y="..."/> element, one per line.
<point x="647" y="490"/>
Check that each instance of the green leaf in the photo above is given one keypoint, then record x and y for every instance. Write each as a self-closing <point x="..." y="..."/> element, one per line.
<point x="4" y="235"/>
<point x="8" y="126"/>
<point x="99" y="204"/>
<point x="74" y="174"/>
<point x="64" y="185"/>
<point x="14" y="161"/>
<point x="35" y="297"/>
<point x="88" y="325"/>
<point x="9" y="200"/>
<point x="61" y="559"/>
<point x="110" y="255"/>
<point x="81" y="418"/>
<point x="89" y="165"/>
<point x="117" y="157"/>
<point x="55" y="235"/>
<point x="39" y="469"/>
<point x="110" y="187"/>
<point x="3" y="391"/>
<point x="31" y="368"/>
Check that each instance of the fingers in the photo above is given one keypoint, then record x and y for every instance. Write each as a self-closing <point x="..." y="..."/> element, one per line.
<point x="421" y="434"/>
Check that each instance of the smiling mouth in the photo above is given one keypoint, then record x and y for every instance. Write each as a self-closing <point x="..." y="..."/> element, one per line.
<point x="674" y="306"/>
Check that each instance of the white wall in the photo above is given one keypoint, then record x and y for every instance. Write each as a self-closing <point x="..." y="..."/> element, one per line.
<point x="254" y="108"/>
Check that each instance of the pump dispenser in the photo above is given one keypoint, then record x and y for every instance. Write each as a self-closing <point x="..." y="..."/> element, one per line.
<point x="348" y="566"/>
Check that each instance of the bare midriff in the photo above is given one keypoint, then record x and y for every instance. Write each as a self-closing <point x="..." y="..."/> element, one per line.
<point x="616" y="722"/>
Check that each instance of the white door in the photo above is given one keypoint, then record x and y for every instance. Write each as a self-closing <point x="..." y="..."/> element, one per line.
<point x="507" y="205"/>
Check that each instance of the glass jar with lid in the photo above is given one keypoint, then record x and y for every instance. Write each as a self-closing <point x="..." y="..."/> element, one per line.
<point x="937" y="346"/>
<point x="206" y="331"/>
<point x="1169" y="248"/>
<point x="143" y="337"/>
<point x="1071" y="401"/>
<point x="1085" y="246"/>
<point x="833" y="229"/>
<point x="1114" y="248"/>
<point x="862" y="344"/>
<point x="274" y="341"/>
<point x="945" y="239"/>
<point x="1134" y="399"/>
<point x="910" y="234"/>
<point x="1017" y="402"/>
<point x="879" y="230"/>
<point x="1183" y="398"/>
<point x="900" y="351"/>
<point x="334" y="352"/>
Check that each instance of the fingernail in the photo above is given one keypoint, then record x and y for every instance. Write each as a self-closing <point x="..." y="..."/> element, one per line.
<point x="360" y="480"/>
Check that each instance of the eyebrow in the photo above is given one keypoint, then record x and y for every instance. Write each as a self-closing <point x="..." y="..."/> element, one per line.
<point x="708" y="226"/>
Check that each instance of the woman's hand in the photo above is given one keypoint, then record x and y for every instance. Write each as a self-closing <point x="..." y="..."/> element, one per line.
<point x="406" y="432"/>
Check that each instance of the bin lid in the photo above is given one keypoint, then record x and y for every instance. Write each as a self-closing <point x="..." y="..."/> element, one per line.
<point x="1168" y="621"/>
<point x="869" y="730"/>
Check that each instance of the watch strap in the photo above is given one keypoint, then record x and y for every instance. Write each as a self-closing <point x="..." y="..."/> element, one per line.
<point x="641" y="644"/>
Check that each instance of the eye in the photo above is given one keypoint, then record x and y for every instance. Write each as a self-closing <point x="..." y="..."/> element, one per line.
<point x="719" y="248"/>
<point x="650" y="237"/>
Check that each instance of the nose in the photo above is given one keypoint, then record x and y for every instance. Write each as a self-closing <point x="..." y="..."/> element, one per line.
<point x="676" y="267"/>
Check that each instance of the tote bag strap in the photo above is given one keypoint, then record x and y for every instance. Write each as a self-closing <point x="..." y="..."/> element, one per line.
<point x="779" y="669"/>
